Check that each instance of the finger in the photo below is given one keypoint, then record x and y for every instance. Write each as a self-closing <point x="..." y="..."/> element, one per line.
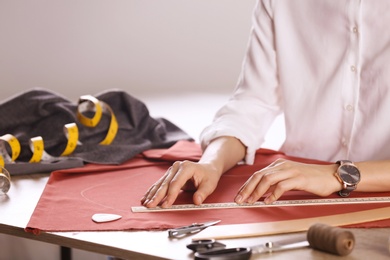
<point x="159" y="191"/>
<point x="279" y="189"/>
<point x="252" y="181"/>
<point x="153" y="189"/>
<point x="183" y="175"/>
<point x="263" y="181"/>
<point x="257" y="176"/>
<point x="205" y="188"/>
<point x="265" y="185"/>
<point x="148" y="194"/>
<point x="244" y="193"/>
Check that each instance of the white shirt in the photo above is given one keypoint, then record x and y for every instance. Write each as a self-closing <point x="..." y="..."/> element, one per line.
<point x="325" y="64"/>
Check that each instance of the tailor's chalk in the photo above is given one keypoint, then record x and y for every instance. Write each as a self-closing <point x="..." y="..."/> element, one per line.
<point x="104" y="217"/>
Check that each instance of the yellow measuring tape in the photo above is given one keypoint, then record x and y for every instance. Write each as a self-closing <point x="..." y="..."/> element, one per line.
<point x="14" y="146"/>
<point x="1" y="161"/>
<point x="89" y="103"/>
<point x="72" y="133"/>
<point x="10" y="147"/>
<point x="36" y="146"/>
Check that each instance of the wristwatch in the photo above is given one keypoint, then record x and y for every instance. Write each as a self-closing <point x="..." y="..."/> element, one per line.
<point x="348" y="175"/>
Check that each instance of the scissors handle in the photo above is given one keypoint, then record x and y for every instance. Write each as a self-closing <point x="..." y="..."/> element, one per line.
<point x="205" y="245"/>
<point x="237" y="253"/>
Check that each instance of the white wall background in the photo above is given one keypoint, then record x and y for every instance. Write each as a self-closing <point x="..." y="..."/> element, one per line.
<point x="78" y="47"/>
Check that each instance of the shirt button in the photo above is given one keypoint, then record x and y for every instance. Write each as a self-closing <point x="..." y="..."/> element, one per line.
<point x="353" y="68"/>
<point x="349" y="108"/>
<point x="344" y="142"/>
<point x="355" y="29"/>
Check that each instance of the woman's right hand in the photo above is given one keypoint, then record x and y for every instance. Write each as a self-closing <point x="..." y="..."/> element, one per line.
<point x="220" y="155"/>
<point x="182" y="175"/>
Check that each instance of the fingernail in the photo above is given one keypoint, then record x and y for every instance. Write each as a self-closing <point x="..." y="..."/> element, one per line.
<point x="238" y="199"/>
<point x="198" y="200"/>
<point x="268" y="200"/>
<point x="165" y="205"/>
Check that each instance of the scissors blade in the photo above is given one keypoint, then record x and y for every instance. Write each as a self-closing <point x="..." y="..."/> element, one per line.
<point x="210" y="223"/>
<point x="196" y="227"/>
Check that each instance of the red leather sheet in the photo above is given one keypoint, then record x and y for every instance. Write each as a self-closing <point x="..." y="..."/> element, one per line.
<point x="71" y="197"/>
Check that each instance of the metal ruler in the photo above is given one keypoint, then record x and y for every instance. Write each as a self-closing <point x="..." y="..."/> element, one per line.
<point x="259" y="204"/>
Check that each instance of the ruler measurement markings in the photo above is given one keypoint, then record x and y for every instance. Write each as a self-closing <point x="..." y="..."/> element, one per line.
<point x="280" y="203"/>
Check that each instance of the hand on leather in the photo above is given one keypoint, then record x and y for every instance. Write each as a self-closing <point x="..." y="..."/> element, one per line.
<point x="183" y="175"/>
<point x="284" y="175"/>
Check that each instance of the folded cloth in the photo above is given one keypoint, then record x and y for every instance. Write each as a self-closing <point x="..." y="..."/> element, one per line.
<point x="71" y="197"/>
<point x="39" y="112"/>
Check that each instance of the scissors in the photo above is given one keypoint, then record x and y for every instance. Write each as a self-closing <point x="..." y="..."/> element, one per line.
<point x="205" y="245"/>
<point x="193" y="228"/>
<point x="209" y="249"/>
<point x="319" y="236"/>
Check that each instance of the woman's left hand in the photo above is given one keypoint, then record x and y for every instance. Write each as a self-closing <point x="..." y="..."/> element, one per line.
<point x="284" y="175"/>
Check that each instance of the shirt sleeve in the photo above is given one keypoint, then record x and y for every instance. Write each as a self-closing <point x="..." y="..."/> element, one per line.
<point x="256" y="100"/>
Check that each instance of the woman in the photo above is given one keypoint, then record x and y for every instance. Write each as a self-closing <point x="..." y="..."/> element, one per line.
<point x="324" y="64"/>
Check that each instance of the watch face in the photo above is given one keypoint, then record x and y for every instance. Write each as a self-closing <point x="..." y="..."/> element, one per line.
<point x="349" y="174"/>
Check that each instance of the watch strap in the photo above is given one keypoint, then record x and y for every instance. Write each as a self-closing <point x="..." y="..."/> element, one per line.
<point x="341" y="162"/>
<point x="347" y="188"/>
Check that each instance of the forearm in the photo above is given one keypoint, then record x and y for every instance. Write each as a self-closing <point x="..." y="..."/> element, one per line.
<point x="375" y="176"/>
<point x="223" y="153"/>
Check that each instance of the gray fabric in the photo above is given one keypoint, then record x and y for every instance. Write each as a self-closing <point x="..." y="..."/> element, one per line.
<point x="39" y="112"/>
<point x="21" y="168"/>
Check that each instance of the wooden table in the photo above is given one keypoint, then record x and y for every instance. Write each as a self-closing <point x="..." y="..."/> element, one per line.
<point x="17" y="206"/>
